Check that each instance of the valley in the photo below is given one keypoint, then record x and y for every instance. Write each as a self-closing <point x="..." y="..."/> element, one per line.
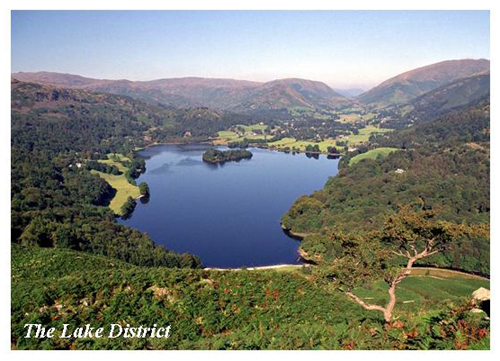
<point x="368" y="179"/>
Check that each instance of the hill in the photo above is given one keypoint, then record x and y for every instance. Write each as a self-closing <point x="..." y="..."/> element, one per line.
<point x="292" y="93"/>
<point x="459" y="93"/>
<point x="57" y="134"/>
<point x="265" y="309"/>
<point x="227" y="94"/>
<point x="409" y="85"/>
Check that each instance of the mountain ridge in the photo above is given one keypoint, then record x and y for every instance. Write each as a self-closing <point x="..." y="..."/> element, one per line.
<point x="287" y="93"/>
<point x="406" y="86"/>
<point x="218" y="93"/>
<point x="457" y="94"/>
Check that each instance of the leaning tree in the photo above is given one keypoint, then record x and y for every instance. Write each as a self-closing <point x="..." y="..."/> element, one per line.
<point x="390" y="253"/>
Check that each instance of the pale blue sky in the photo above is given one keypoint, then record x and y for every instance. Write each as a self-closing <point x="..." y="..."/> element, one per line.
<point x="341" y="48"/>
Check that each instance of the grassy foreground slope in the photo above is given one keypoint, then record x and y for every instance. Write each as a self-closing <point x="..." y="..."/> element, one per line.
<point x="221" y="310"/>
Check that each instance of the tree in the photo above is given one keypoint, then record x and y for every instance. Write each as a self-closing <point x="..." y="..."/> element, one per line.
<point x="144" y="189"/>
<point x="408" y="235"/>
<point x="332" y="150"/>
<point x="128" y="207"/>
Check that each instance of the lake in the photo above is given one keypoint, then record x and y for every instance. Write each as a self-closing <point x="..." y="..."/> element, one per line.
<point x="229" y="215"/>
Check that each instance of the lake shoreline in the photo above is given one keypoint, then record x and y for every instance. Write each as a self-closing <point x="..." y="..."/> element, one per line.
<point x="258" y="268"/>
<point x="418" y="270"/>
<point x="295" y="235"/>
<point x="210" y="141"/>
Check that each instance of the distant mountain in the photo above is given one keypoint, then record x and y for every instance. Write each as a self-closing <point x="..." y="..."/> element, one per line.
<point x="459" y="93"/>
<point x="407" y="86"/>
<point x="290" y="93"/>
<point x="350" y="92"/>
<point x="228" y="94"/>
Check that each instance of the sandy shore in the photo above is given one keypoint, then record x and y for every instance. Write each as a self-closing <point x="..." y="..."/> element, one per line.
<point x="258" y="268"/>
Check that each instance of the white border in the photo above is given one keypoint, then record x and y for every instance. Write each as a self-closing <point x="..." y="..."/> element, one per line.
<point x="234" y="5"/>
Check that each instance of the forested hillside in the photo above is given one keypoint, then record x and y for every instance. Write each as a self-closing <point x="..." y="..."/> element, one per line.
<point x="460" y="93"/>
<point x="56" y="201"/>
<point x="443" y="165"/>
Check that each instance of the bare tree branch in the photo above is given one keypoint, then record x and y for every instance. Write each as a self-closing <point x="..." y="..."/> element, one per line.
<point x="365" y="305"/>
<point x="399" y="253"/>
<point x="433" y="252"/>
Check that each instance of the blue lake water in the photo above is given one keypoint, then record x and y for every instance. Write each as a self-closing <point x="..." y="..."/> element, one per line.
<point x="228" y="214"/>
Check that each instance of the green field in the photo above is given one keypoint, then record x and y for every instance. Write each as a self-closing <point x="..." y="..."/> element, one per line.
<point x="232" y="136"/>
<point x="350" y="117"/>
<point x="421" y="292"/>
<point x="368" y="116"/>
<point x="123" y="188"/>
<point x="372" y="154"/>
<point x="364" y="134"/>
<point x="226" y="136"/>
<point x="302" y="144"/>
<point x="116" y="159"/>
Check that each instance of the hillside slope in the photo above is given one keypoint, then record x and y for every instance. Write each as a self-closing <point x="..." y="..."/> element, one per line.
<point x="409" y="85"/>
<point x="215" y="310"/>
<point x="458" y="93"/>
<point x="55" y="199"/>
<point x="444" y="164"/>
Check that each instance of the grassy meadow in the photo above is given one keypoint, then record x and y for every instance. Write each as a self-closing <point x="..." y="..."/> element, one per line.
<point x="234" y="136"/>
<point x="302" y="144"/>
<point x="422" y="290"/>
<point x="364" y="134"/>
<point x="119" y="182"/>
<point x="372" y="154"/>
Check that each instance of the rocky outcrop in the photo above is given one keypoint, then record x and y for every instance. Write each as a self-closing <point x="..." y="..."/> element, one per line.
<point x="481" y="300"/>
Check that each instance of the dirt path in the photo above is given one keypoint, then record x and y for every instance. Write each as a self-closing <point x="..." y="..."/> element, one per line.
<point x="442" y="273"/>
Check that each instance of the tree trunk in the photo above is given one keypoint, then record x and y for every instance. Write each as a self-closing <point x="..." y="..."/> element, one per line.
<point x="392" y="289"/>
<point x="390" y="305"/>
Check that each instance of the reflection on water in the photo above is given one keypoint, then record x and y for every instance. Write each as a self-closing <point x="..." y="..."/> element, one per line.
<point x="189" y="162"/>
<point x="163" y="169"/>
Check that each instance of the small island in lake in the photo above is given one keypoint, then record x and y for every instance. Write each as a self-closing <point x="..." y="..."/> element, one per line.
<point x="218" y="156"/>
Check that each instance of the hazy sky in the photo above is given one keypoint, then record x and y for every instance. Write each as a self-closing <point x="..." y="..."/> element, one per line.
<point x="340" y="48"/>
